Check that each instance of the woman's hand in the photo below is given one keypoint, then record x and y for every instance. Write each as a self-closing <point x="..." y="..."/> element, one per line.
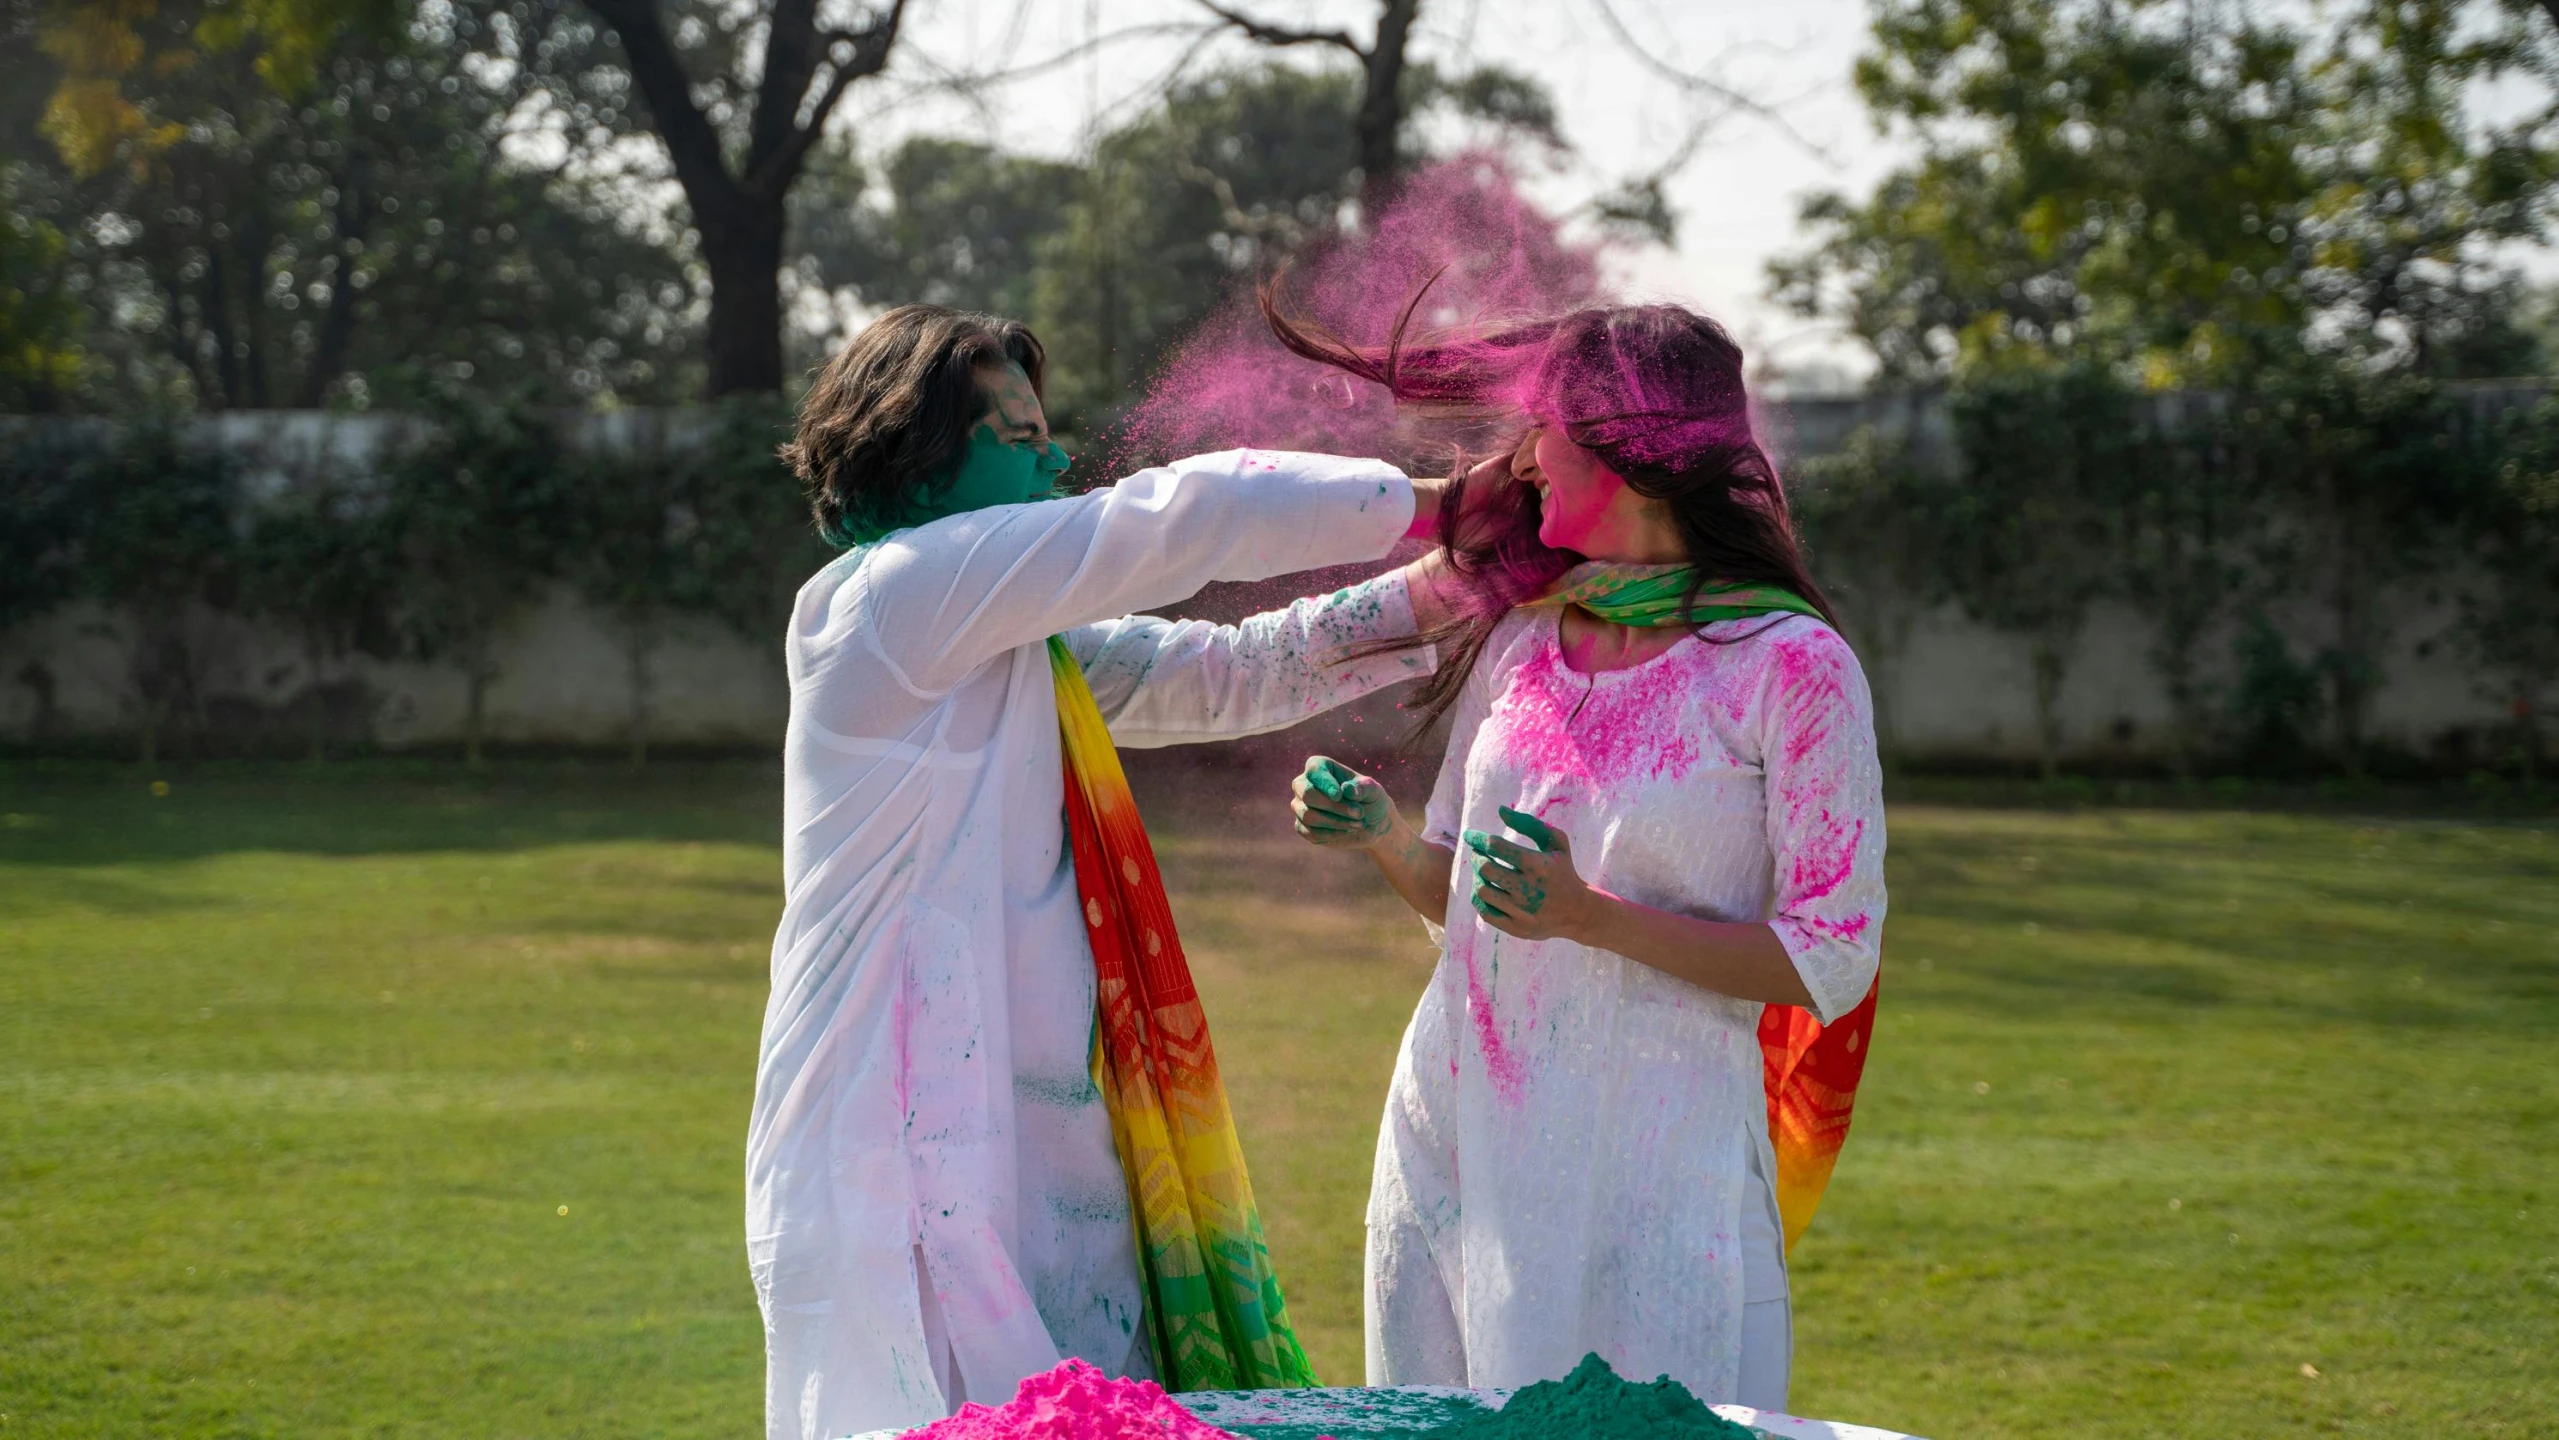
<point x="1533" y="894"/>
<point x="1338" y="807"/>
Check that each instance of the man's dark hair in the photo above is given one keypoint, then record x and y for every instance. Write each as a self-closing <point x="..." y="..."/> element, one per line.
<point x="889" y="416"/>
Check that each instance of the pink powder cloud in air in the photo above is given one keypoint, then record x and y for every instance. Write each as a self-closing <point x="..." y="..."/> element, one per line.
<point x="1498" y="259"/>
<point x="1076" y="1402"/>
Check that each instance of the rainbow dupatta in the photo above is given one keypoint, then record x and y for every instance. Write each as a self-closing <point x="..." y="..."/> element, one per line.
<point x="1213" y="1307"/>
<point x="1810" y="1069"/>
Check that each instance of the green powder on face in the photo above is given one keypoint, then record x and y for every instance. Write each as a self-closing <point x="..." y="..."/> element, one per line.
<point x="1593" y="1402"/>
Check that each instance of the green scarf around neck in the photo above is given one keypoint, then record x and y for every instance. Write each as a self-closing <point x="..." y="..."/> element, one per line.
<point x="1649" y="595"/>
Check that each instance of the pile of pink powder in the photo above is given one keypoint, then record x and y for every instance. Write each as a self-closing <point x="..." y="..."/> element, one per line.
<point x="1076" y="1402"/>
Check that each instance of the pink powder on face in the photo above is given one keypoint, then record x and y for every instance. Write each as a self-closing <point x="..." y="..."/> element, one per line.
<point x="1076" y="1402"/>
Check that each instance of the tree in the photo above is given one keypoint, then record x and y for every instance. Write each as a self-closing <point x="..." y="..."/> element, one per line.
<point x="1874" y="519"/>
<point x="2370" y="466"/>
<point x="160" y="551"/>
<point x="631" y="567"/>
<point x="99" y="108"/>
<point x="753" y="542"/>
<point x="2094" y="179"/>
<point x="2194" y="516"/>
<point x="1115" y="259"/>
<point x="2417" y="193"/>
<point x="1377" y="126"/>
<point x="2510" y="600"/>
<point x="2030" y="541"/>
<point x="740" y="210"/>
<point x="44" y="520"/>
<point x="40" y="358"/>
<point x="479" y="513"/>
<point x="945" y="222"/>
<point x="2185" y="192"/>
<point x="360" y="240"/>
<point x="319" y="561"/>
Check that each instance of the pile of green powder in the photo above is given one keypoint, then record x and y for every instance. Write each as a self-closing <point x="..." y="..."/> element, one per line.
<point x="1593" y="1403"/>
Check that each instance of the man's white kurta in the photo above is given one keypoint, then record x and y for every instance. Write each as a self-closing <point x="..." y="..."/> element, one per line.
<point x="1567" y="1158"/>
<point x="924" y="1087"/>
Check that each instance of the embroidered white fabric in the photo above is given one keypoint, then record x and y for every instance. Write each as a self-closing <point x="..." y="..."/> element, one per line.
<point x="1566" y="1162"/>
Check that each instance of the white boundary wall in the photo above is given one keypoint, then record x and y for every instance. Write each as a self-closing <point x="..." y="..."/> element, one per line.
<point x="1961" y="693"/>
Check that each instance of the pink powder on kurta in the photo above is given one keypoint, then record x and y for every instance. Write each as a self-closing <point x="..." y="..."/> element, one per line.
<point x="1502" y="1065"/>
<point x="1604" y="730"/>
<point x="1076" y="1402"/>
<point x="1811" y="673"/>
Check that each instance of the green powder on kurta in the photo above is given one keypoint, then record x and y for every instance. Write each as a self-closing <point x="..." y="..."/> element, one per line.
<point x="1593" y="1403"/>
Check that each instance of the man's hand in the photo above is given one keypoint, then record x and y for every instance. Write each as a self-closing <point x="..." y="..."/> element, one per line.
<point x="1430" y="496"/>
<point x="1428" y="492"/>
<point x="1339" y="807"/>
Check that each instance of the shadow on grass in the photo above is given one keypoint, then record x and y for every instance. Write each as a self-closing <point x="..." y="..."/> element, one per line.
<point x="79" y="813"/>
<point x="2411" y="924"/>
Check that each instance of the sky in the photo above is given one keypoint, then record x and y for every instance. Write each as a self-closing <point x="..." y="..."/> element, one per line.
<point x="1623" y="108"/>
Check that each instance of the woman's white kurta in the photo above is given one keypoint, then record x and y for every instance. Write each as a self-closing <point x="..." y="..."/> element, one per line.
<point x="924" y="1087"/>
<point x="1569" y="1136"/>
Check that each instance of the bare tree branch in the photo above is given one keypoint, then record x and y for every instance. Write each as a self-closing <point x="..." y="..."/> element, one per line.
<point x="792" y="53"/>
<point x="1270" y="34"/>
<point x="692" y="144"/>
<point x="1082" y="48"/>
<point x="870" y="46"/>
<point x="1280" y="226"/>
<point x="1723" y="94"/>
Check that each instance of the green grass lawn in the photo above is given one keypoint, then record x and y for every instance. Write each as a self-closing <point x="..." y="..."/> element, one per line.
<point x="299" y="1069"/>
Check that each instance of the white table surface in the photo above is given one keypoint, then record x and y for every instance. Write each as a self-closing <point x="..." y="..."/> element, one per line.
<point x="1349" y="1413"/>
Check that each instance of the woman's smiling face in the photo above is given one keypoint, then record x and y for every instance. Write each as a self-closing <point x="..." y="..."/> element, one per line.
<point x="1585" y="507"/>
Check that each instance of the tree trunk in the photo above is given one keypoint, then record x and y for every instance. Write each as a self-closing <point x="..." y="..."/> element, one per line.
<point x="2050" y="664"/>
<point x="253" y="315"/>
<point x="739" y="214"/>
<point x="2185" y="725"/>
<point x="337" y="329"/>
<point x="2528" y="735"/>
<point x="743" y="251"/>
<point x="318" y="733"/>
<point x="2349" y="677"/>
<point x="1380" y="123"/>
<point x="638" y="637"/>
<point x="214" y="300"/>
<point x="474" y="713"/>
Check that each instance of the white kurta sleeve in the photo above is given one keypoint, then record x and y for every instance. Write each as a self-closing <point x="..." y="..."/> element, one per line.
<point x="1164" y="682"/>
<point x="1825" y="814"/>
<point x="937" y="601"/>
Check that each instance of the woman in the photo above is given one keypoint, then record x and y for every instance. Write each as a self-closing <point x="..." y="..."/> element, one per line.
<point x="935" y="1204"/>
<point x="1644" y="688"/>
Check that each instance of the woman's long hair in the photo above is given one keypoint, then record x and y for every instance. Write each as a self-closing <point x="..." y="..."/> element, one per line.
<point x="1655" y="391"/>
